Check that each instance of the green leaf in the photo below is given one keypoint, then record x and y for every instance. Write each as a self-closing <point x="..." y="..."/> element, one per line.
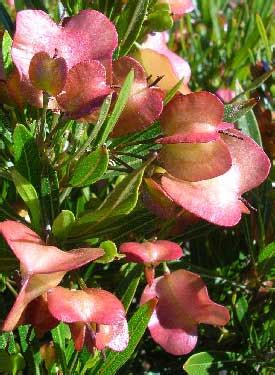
<point x="23" y="331"/>
<point x="12" y="347"/>
<point x="234" y="111"/>
<point x="171" y="93"/>
<point x="254" y="84"/>
<point x="241" y="55"/>
<point x="93" y="138"/>
<point x="121" y="201"/>
<point x="62" y="224"/>
<point x="101" y="119"/>
<point x="264" y="37"/>
<point x="35" y="4"/>
<point x="137" y="326"/>
<point x="213" y="9"/>
<point x="266" y="260"/>
<point x="90" y="362"/>
<point x="6" y="52"/>
<point x="248" y="123"/>
<point x="127" y="288"/>
<point x="110" y="252"/>
<point x="159" y="17"/>
<point x="241" y="308"/>
<point x="206" y="363"/>
<point x="118" y="108"/>
<point x="59" y="335"/>
<point x="130" y="24"/>
<point x="5" y="19"/>
<point x="29" y="195"/>
<point x="19" y="5"/>
<point x="5" y="362"/>
<point x="17" y="363"/>
<point x="4" y="337"/>
<point x="26" y="155"/>
<point x="90" y="168"/>
<point x="49" y="194"/>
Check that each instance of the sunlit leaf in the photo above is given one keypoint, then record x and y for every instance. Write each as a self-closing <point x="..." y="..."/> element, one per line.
<point x="49" y="193"/>
<point x="241" y="308"/>
<point x="90" y="168"/>
<point x="207" y="362"/>
<point x="171" y="93"/>
<point x="59" y="335"/>
<point x="118" y="108"/>
<point x="254" y="84"/>
<point x="29" y="195"/>
<point x="110" y="252"/>
<point x="234" y="111"/>
<point x="266" y="260"/>
<point x="137" y="326"/>
<point x="121" y="201"/>
<point x="62" y="224"/>
<point x="127" y="288"/>
<point x="130" y="23"/>
<point x="248" y="123"/>
<point x="6" y="52"/>
<point x="26" y="155"/>
<point x="263" y="34"/>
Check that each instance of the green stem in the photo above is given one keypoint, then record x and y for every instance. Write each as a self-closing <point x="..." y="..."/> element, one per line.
<point x="130" y="154"/>
<point x="64" y="194"/>
<point x="11" y="288"/>
<point x="145" y="141"/>
<point x="121" y="162"/>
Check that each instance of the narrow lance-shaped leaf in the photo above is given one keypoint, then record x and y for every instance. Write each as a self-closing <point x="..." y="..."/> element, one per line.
<point x="248" y="123"/>
<point x="127" y="287"/>
<point x="49" y="193"/>
<point x="5" y="19"/>
<point x="137" y="326"/>
<point x="130" y="23"/>
<point x="171" y="93"/>
<point x="23" y="332"/>
<point x="266" y="260"/>
<point x="263" y="34"/>
<point x="234" y="111"/>
<point x="26" y="155"/>
<point x="90" y="168"/>
<point x="101" y="118"/>
<point x="12" y="364"/>
<point x="241" y="310"/>
<point x="121" y="201"/>
<point x="253" y="85"/>
<point x="17" y="363"/>
<point x="118" y="108"/>
<point x="7" y="339"/>
<point x="59" y="334"/>
<point x="213" y="9"/>
<point x="29" y="195"/>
